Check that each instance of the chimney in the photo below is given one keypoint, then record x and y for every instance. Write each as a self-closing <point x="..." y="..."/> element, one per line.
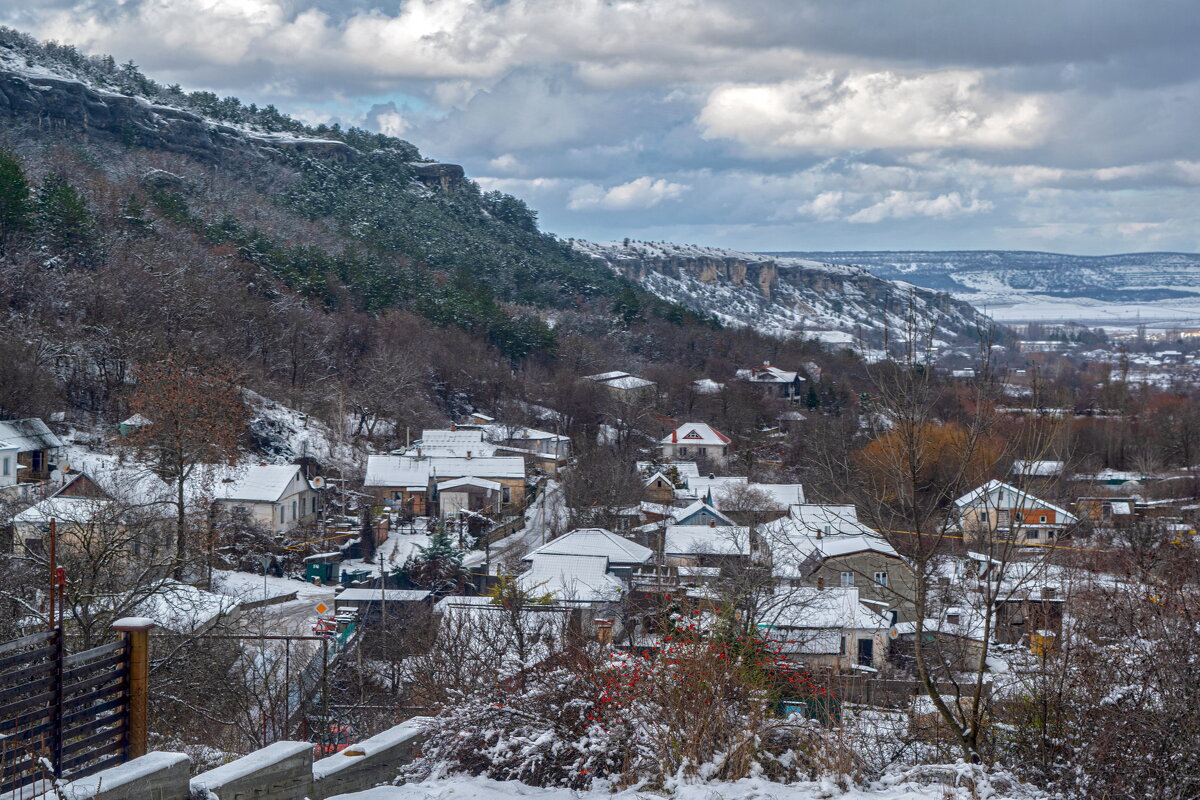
<point x="820" y="583"/>
<point x="453" y="427"/>
<point x="675" y="436"/>
<point x="262" y="463"/>
<point x="1049" y="592"/>
<point x="418" y="451"/>
<point x="712" y="523"/>
<point x="468" y="454"/>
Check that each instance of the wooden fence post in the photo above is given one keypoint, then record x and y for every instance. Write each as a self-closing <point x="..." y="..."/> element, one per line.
<point x="136" y="632"/>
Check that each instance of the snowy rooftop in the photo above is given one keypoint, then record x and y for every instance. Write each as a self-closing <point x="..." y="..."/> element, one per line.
<point x="595" y="542"/>
<point x="258" y="483"/>
<point x="389" y="470"/>
<point x="576" y="578"/>
<point x="696" y="433"/>
<point x="700" y="539"/>
<point x="28" y="434"/>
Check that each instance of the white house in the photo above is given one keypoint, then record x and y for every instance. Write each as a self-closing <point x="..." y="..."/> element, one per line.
<point x="8" y="464"/>
<point x="619" y="551"/>
<point x="278" y="497"/>
<point x="37" y="446"/>
<point x="695" y="440"/>
<point x="826" y="628"/>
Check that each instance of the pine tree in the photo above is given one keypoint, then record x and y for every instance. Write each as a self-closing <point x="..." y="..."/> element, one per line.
<point x="437" y="567"/>
<point x="16" y="206"/>
<point x="66" y="226"/>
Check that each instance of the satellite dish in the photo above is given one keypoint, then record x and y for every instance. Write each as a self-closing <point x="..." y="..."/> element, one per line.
<point x="318" y="482"/>
<point x="56" y="475"/>
<point x="894" y="632"/>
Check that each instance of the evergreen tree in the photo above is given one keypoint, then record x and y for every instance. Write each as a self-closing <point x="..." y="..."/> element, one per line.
<point x="16" y="206"/>
<point x="437" y="567"/>
<point x="66" y="226"/>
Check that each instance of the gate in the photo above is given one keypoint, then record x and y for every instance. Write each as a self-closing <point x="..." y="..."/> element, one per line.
<point x="61" y="716"/>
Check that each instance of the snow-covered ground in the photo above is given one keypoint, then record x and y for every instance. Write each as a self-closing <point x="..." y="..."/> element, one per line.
<point x="465" y="788"/>
<point x="545" y="517"/>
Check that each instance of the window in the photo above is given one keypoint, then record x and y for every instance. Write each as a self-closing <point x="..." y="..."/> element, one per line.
<point x="282" y="513"/>
<point x="983" y="517"/>
<point x="842" y="647"/>
<point x="683" y="451"/>
<point x="1043" y="519"/>
<point x="506" y="494"/>
<point x="37" y="461"/>
<point x="703" y="451"/>
<point x="1019" y="517"/>
<point x="881" y="578"/>
<point x="847" y="579"/>
<point x="293" y="509"/>
<point x="7" y="466"/>
<point x="1033" y="534"/>
<point x="314" y="504"/>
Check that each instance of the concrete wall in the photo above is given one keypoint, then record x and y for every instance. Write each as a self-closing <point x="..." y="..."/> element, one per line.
<point x="281" y="771"/>
<point x="154" y="776"/>
<point x="369" y="763"/>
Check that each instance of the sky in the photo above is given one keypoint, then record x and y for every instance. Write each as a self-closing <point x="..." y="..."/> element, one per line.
<point x="1062" y="125"/>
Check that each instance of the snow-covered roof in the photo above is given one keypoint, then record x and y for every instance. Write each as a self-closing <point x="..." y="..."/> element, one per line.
<point x="658" y="476"/>
<point x="595" y="542"/>
<point x="29" y="434"/>
<point x="259" y="483"/>
<point x="765" y="373"/>
<point x="456" y="436"/>
<point x="781" y="495"/>
<point x="413" y="472"/>
<point x="7" y="445"/>
<point x="1036" y="469"/>
<point x="601" y="377"/>
<point x="581" y="578"/>
<point x="828" y="520"/>
<point x="809" y="607"/>
<point x="480" y="483"/>
<point x="696" y="508"/>
<point x="997" y="494"/>
<point x="136" y="421"/>
<point x="696" y="433"/>
<point x="390" y="595"/>
<point x="182" y="608"/>
<point x="629" y="382"/>
<point x="707" y="386"/>
<point x="69" y="509"/>
<point x="701" y="539"/>
<point x="699" y="486"/>
<point x="686" y="469"/>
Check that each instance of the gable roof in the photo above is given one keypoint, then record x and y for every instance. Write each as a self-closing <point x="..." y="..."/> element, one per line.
<point x="572" y="577"/>
<point x="699" y="507"/>
<point x="828" y="520"/>
<point x="701" y="539"/>
<point x="595" y="542"/>
<point x="647" y="482"/>
<point x="765" y="373"/>
<point x="480" y="483"/>
<point x="414" y="473"/>
<point x="1019" y="499"/>
<point x="601" y="377"/>
<point x="29" y="434"/>
<point x="697" y="433"/>
<point x="809" y="607"/>
<point x="258" y="483"/>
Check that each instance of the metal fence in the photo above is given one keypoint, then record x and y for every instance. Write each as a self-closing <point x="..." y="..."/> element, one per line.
<point x="61" y="715"/>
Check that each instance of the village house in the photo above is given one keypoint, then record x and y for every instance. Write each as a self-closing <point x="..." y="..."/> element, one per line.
<point x="695" y="440"/>
<point x="624" y="385"/>
<point x="826" y="629"/>
<point x="407" y="482"/>
<point x="780" y="382"/>
<point x="701" y="513"/>
<point x="826" y="547"/>
<point x="705" y="546"/>
<point x="658" y="488"/>
<point x="621" y="553"/>
<point x="8" y="464"/>
<point x="1000" y="511"/>
<point x="275" y="496"/>
<point x="37" y="449"/>
<point x="468" y="495"/>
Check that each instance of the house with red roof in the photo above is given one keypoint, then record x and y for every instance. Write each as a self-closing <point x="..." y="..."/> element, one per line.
<point x="695" y="440"/>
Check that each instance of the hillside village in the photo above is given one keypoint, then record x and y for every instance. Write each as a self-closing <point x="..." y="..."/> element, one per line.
<point x="324" y="471"/>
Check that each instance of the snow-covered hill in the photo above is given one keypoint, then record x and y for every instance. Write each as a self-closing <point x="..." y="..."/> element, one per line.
<point x="780" y="295"/>
<point x="1019" y="285"/>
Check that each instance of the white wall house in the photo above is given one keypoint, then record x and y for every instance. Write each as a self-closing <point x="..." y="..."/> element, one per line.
<point x="278" y="497"/>
<point x="8" y="464"/>
<point x="695" y="440"/>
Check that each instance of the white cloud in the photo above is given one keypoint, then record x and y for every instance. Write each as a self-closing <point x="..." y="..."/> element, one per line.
<point x="828" y="111"/>
<point x="643" y="192"/>
<point x="905" y="205"/>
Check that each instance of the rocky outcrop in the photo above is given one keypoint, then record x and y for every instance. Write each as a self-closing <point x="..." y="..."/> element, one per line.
<point x="443" y="177"/>
<point x="762" y="276"/>
<point x="70" y="106"/>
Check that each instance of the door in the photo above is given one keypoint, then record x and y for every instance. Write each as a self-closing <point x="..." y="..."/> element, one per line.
<point x="866" y="652"/>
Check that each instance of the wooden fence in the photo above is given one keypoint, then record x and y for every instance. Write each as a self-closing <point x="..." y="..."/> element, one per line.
<point x="64" y="715"/>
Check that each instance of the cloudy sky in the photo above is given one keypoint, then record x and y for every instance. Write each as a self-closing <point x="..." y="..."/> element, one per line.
<point x="1066" y="125"/>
